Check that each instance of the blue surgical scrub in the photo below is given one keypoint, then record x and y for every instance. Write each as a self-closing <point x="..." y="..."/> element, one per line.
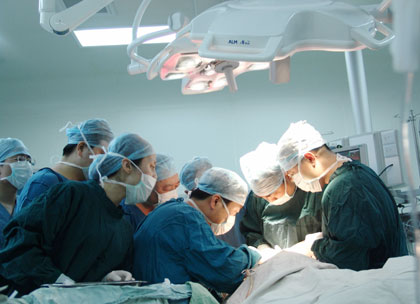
<point x="39" y="183"/>
<point x="5" y="217"/>
<point x="73" y="228"/>
<point x="132" y="214"/>
<point x="175" y="242"/>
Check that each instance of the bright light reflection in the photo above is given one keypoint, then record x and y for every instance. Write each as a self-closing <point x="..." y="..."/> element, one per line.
<point x="119" y="36"/>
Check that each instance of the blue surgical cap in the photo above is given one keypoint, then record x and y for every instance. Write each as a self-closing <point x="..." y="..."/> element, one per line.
<point x="10" y="147"/>
<point x="165" y="166"/>
<point x="129" y="145"/>
<point x="224" y="182"/>
<point x="94" y="130"/>
<point x="192" y="171"/>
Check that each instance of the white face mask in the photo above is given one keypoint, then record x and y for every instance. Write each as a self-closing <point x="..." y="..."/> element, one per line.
<point x="167" y="196"/>
<point x="221" y="228"/>
<point x="136" y="193"/>
<point x="286" y="197"/>
<point x="85" y="170"/>
<point x="21" y="172"/>
<point x="313" y="185"/>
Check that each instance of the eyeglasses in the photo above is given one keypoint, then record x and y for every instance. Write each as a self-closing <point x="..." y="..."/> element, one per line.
<point x="22" y="158"/>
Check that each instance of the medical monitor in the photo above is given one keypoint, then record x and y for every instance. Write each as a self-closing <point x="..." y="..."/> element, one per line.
<point x="356" y="152"/>
<point x="378" y="150"/>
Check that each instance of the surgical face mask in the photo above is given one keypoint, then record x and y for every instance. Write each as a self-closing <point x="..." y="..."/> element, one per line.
<point x="136" y="193"/>
<point x="85" y="170"/>
<point x="221" y="228"/>
<point x="285" y="198"/>
<point x="21" y="172"/>
<point x="167" y="196"/>
<point x="313" y="185"/>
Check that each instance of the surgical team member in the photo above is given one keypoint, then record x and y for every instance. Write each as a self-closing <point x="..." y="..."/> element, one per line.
<point x="192" y="171"/>
<point x="175" y="240"/>
<point x="15" y="170"/>
<point x="277" y="212"/>
<point x="165" y="190"/>
<point x="86" y="139"/>
<point x="189" y="176"/>
<point x="362" y="226"/>
<point x="75" y="231"/>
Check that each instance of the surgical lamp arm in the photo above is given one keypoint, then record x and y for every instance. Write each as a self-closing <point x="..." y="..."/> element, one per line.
<point x="67" y="20"/>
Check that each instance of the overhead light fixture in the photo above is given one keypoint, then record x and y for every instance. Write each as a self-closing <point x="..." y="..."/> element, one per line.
<point x="118" y="36"/>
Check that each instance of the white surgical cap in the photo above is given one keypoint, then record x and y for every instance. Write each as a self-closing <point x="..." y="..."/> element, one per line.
<point x="299" y="138"/>
<point x="224" y="182"/>
<point x="10" y="147"/>
<point x="165" y="166"/>
<point x="262" y="169"/>
<point x="192" y="171"/>
<point x="127" y="145"/>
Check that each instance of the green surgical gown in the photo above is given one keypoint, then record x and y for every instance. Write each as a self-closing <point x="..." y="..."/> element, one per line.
<point x="362" y="225"/>
<point x="282" y="225"/>
<point x="74" y="229"/>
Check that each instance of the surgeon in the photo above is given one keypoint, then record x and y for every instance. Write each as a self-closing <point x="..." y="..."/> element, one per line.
<point x="15" y="170"/>
<point x="165" y="189"/>
<point x="84" y="140"/>
<point x="362" y="226"/>
<point x="75" y="231"/>
<point x="189" y="176"/>
<point x="192" y="171"/>
<point x="175" y="240"/>
<point x="277" y="212"/>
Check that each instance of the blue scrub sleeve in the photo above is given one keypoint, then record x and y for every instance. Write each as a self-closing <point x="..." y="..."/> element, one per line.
<point x="214" y="262"/>
<point x="35" y="189"/>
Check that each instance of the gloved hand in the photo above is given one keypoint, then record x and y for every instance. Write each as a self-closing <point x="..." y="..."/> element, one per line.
<point x="263" y="246"/>
<point x="118" y="275"/>
<point x="65" y="280"/>
<point x="305" y="246"/>
<point x="266" y="252"/>
<point x="311" y="238"/>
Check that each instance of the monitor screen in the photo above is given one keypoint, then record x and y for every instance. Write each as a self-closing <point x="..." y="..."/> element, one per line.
<point x="357" y="152"/>
<point x="354" y="154"/>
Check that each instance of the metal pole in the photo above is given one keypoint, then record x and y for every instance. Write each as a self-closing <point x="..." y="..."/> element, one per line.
<point x="358" y="91"/>
<point x="412" y="120"/>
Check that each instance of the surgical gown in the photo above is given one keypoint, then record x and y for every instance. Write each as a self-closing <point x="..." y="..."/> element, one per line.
<point x="282" y="225"/>
<point x="362" y="225"/>
<point x="175" y="242"/>
<point x="5" y="217"/>
<point x="39" y="183"/>
<point x="73" y="229"/>
<point x="132" y="214"/>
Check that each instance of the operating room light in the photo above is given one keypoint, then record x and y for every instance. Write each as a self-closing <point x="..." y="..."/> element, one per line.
<point x="173" y="76"/>
<point x="188" y="62"/>
<point x="118" y="36"/>
<point x="222" y="82"/>
<point x="199" y="86"/>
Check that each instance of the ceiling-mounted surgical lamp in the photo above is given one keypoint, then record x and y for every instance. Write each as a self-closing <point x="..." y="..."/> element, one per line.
<point x="255" y="35"/>
<point x="237" y="36"/>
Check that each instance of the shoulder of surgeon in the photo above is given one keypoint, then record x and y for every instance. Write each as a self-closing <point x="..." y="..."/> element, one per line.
<point x="71" y="189"/>
<point x="178" y="205"/>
